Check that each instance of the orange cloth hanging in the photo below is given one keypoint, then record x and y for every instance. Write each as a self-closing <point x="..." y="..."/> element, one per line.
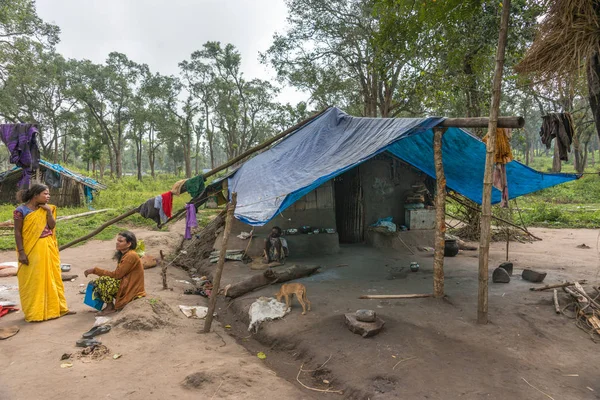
<point x="503" y="152"/>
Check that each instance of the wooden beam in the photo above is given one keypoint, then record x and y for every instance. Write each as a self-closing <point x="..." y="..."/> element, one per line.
<point x="556" y="285"/>
<point x="219" y="272"/>
<point x="483" y="122"/>
<point x="486" y="202"/>
<point x="440" y="214"/>
<point x="396" y="296"/>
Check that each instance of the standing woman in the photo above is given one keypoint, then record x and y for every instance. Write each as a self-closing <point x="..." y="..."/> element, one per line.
<point x="40" y="284"/>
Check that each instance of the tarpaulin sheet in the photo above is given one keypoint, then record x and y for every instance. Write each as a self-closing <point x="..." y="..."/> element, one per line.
<point x="336" y="142"/>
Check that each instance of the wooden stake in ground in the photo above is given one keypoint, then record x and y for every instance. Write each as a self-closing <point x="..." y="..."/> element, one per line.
<point x="440" y="214"/>
<point x="163" y="270"/>
<point x="486" y="202"/>
<point x="556" y="305"/>
<point x="217" y="278"/>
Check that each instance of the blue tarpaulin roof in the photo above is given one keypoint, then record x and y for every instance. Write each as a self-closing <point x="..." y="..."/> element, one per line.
<point x="336" y="142"/>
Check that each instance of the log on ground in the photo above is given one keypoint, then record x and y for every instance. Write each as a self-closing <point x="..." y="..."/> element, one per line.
<point x="270" y="276"/>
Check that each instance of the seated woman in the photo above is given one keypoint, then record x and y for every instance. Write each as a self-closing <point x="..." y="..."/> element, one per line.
<point x="275" y="249"/>
<point x="124" y="284"/>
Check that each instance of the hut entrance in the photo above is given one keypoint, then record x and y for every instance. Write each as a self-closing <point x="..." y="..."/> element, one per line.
<point x="349" y="208"/>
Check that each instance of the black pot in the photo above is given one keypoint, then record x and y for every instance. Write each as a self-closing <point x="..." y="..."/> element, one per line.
<point x="450" y="248"/>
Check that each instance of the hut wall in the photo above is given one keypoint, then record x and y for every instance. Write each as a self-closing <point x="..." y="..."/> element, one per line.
<point x="8" y="189"/>
<point x="68" y="195"/>
<point x="386" y="182"/>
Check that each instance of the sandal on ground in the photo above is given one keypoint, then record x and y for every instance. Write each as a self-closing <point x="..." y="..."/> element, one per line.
<point x="95" y="331"/>
<point x="87" y="342"/>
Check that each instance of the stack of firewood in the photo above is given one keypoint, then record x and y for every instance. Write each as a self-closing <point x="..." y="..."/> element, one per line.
<point x="579" y="305"/>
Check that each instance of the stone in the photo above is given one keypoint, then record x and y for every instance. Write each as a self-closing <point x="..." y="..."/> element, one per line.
<point x="500" y="275"/>
<point x="508" y="266"/>
<point x="366" y="315"/>
<point x="533" y="276"/>
<point x="365" y="329"/>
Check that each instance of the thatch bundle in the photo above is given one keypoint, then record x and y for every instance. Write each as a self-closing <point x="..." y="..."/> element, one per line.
<point x="568" y="36"/>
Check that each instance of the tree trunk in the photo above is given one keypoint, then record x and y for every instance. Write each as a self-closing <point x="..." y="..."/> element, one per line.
<point x="593" y="78"/>
<point x="138" y="158"/>
<point x="119" y="162"/>
<point x="556" y="163"/>
<point x="188" y="159"/>
<point x="486" y="203"/>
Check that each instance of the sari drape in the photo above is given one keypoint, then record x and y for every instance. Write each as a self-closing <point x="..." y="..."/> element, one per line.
<point x="40" y="284"/>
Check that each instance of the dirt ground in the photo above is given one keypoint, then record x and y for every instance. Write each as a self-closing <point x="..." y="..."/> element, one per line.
<point x="433" y="349"/>
<point x="429" y="349"/>
<point x="163" y="354"/>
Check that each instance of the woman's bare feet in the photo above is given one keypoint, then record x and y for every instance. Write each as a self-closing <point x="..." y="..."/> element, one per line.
<point x="109" y="309"/>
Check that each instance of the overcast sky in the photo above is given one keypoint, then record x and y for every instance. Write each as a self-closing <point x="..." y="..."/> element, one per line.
<point x="161" y="33"/>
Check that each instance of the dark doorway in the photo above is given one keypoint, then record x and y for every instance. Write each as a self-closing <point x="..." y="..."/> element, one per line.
<point x="349" y="211"/>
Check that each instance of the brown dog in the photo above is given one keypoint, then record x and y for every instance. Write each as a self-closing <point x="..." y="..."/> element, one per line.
<point x="289" y="289"/>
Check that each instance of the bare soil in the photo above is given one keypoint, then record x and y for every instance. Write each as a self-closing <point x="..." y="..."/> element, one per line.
<point x="163" y="355"/>
<point x="430" y="348"/>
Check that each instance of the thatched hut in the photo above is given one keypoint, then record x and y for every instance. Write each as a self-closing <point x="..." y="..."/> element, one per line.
<point x="67" y="188"/>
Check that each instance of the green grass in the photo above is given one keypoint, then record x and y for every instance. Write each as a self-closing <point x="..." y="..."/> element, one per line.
<point x="120" y="196"/>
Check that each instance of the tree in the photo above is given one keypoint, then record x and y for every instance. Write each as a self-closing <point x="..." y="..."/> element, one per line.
<point x="108" y="91"/>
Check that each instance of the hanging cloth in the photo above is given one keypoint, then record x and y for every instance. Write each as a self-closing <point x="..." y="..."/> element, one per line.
<point x="21" y="140"/>
<point x="559" y="126"/>
<point x="195" y="185"/>
<point x="158" y="200"/>
<point x="178" y="186"/>
<point x="190" y="220"/>
<point x="502" y="156"/>
<point x="148" y="210"/>
<point x="167" y="203"/>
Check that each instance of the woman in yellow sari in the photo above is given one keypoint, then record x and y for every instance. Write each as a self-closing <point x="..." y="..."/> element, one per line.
<point x="40" y="284"/>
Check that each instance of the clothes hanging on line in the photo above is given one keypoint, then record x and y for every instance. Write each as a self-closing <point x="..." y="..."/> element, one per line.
<point x="148" y="210"/>
<point x="502" y="156"/>
<point x="178" y="186"/>
<point x="158" y="200"/>
<point x="559" y="126"/>
<point x="190" y="220"/>
<point x="21" y="140"/>
<point x="195" y="185"/>
<point x="167" y="203"/>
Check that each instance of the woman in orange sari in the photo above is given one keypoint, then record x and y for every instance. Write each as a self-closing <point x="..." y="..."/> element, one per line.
<point x="40" y="284"/>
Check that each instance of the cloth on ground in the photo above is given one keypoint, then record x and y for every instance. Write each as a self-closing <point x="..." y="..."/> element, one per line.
<point x="8" y="269"/>
<point x="131" y="274"/>
<point x="199" y="312"/>
<point x="190" y="220"/>
<point x="195" y="185"/>
<point x="265" y="309"/>
<point x="167" y="203"/>
<point x="147" y="210"/>
<point x="6" y="309"/>
<point x="21" y="140"/>
<point x="158" y="200"/>
<point x="178" y="187"/>
<point x="559" y="126"/>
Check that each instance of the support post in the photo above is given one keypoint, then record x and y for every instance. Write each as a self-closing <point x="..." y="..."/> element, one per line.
<point x="217" y="278"/>
<point x="440" y="214"/>
<point x="486" y="203"/>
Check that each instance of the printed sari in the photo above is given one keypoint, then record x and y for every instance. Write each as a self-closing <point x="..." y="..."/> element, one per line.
<point x="40" y="284"/>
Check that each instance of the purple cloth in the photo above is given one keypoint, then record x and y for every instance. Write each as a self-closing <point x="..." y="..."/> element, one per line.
<point x="190" y="220"/>
<point x="21" y="140"/>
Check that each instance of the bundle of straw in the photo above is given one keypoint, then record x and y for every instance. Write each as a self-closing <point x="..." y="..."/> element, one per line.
<point x="568" y="35"/>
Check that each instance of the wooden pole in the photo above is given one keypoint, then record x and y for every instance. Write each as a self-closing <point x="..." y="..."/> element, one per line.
<point x="217" y="278"/>
<point x="556" y="285"/>
<point x="556" y="305"/>
<point x="163" y="270"/>
<point x="482" y="122"/>
<point x="396" y="296"/>
<point x="440" y="214"/>
<point x="486" y="203"/>
<point x="100" y="229"/>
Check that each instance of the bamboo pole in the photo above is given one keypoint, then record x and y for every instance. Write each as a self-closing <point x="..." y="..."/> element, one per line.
<point x="100" y="228"/>
<point x="210" y="173"/>
<point x="396" y="296"/>
<point x="486" y="203"/>
<point x="67" y="217"/>
<point x="556" y="285"/>
<point x="483" y="122"/>
<point x="440" y="214"/>
<point x="217" y="278"/>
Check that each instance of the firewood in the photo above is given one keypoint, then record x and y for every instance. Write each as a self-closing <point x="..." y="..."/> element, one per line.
<point x="556" y="285"/>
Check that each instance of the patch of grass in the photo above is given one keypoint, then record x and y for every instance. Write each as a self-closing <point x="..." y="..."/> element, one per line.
<point x="120" y="196"/>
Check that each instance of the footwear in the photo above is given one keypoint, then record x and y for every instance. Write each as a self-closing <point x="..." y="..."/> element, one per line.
<point x="87" y="342"/>
<point x="95" y="331"/>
